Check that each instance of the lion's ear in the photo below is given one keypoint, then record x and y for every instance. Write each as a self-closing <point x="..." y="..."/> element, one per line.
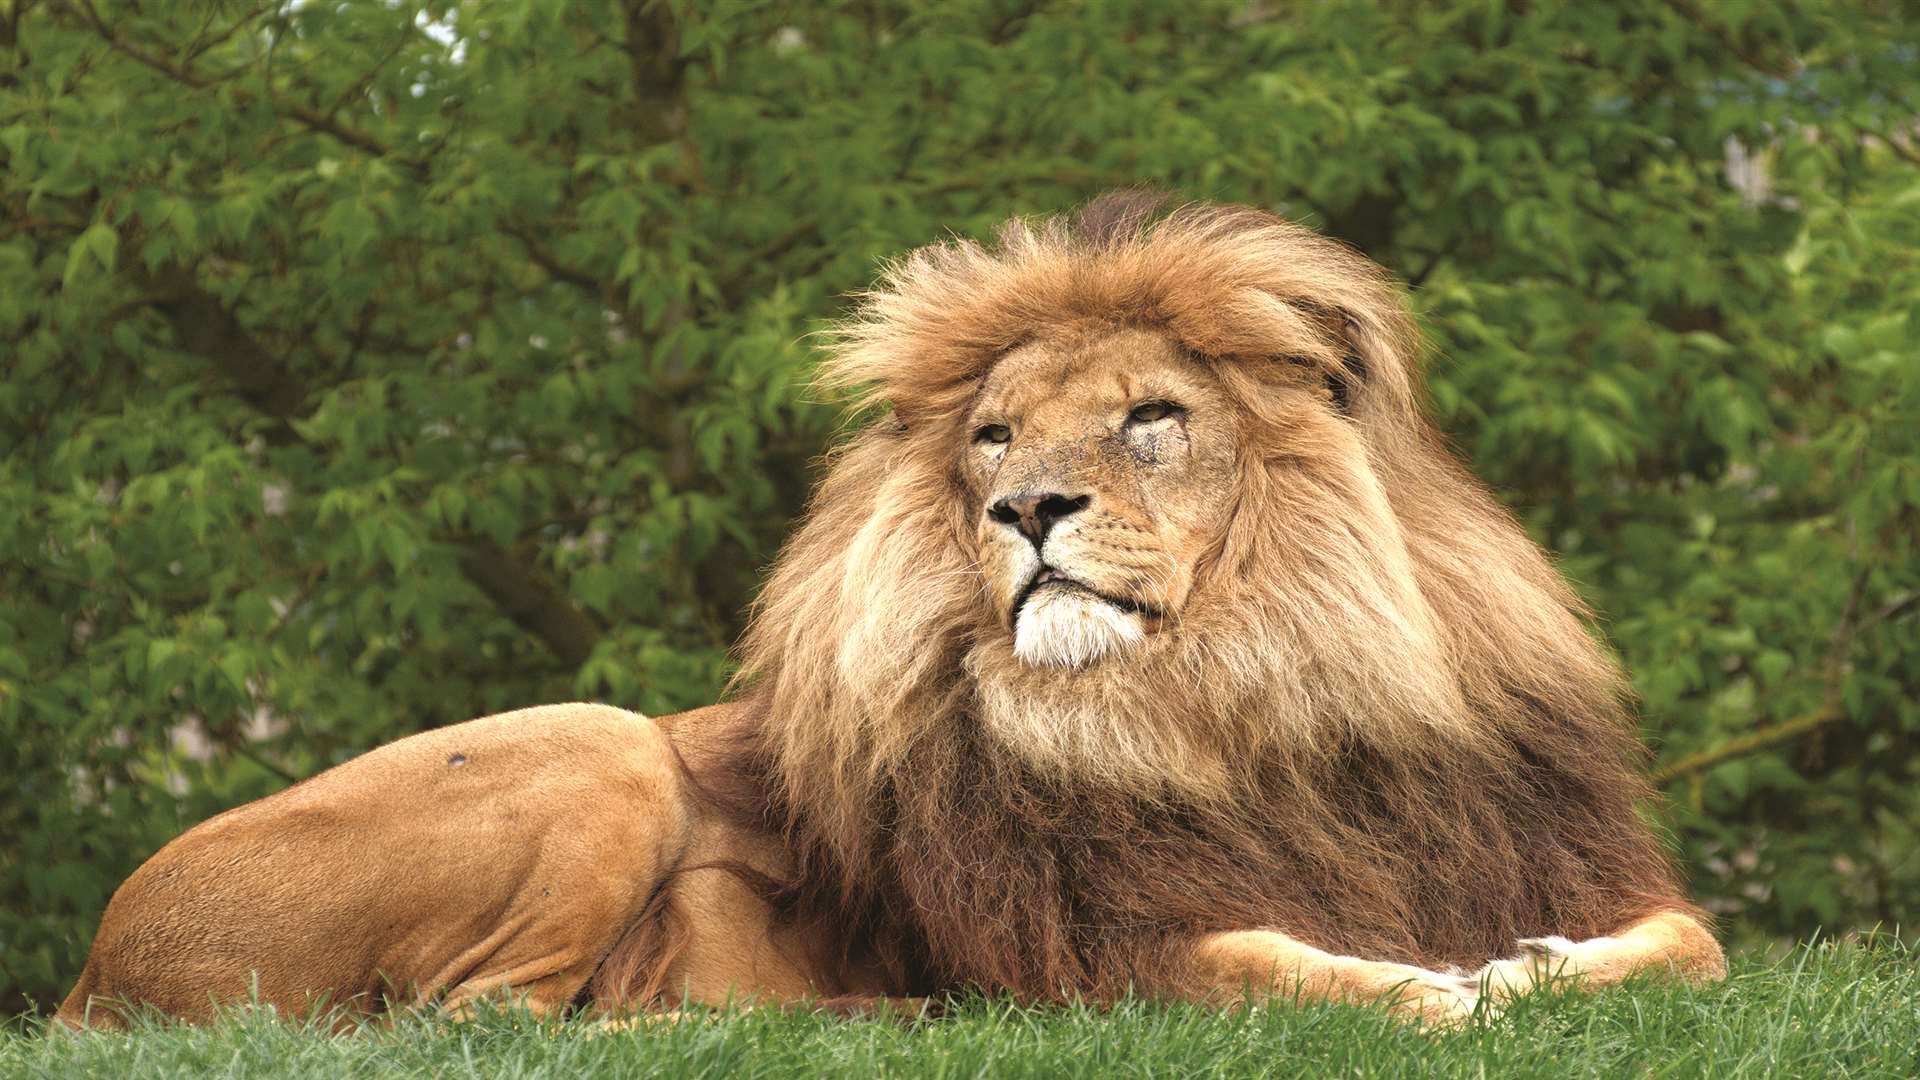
<point x="1346" y="380"/>
<point x="1342" y="381"/>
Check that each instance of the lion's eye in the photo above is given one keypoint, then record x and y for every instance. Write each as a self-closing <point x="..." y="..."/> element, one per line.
<point x="1148" y="411"/>
<point x="993" y="433"/>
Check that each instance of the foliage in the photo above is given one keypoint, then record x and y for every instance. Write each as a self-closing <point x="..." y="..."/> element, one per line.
<point x="374" y="364"/>
<point x="1827" y="1012"/>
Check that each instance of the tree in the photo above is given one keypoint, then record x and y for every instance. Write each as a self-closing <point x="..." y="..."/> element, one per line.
<point x="375" y="364"/>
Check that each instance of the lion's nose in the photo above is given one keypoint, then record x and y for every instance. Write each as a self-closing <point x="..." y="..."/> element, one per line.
<point x="1035" y="514"/>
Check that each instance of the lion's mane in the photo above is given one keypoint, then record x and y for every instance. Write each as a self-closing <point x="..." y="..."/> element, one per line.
<point x="1380" y="725"/>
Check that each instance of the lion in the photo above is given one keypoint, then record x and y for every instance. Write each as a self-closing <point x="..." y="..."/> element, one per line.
<point x="1146" y="640"/>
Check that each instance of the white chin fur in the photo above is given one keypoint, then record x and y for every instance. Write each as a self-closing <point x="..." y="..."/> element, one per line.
<point x="1068" y="628"/>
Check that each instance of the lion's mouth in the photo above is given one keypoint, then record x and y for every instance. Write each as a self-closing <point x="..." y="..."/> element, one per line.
<point x="1046" y="577"/>
<point x="1049" y="577"/>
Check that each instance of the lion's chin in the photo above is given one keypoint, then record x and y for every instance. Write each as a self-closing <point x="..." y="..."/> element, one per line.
<point x="1071" y="628"/>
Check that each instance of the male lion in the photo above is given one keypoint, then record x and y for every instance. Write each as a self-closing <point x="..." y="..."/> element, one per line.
<point x="1151" y="643"/>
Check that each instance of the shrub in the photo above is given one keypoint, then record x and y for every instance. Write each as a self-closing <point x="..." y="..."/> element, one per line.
<point x="372" y="365"/>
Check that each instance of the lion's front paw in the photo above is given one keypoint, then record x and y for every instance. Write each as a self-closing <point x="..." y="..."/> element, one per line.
<point x="1434" y="997"/>
<point x="1542" y="961"/>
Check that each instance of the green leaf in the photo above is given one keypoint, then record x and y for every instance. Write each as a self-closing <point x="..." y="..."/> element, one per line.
<point x="96" y="251"/>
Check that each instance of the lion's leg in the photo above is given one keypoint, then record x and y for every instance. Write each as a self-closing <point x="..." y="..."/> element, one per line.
<point x="714" y="939"/>
<point x="525" y="986"/>
<point x="1671" y="941"/>
<point x="1225" y="968"/>
<point x="508" y="852"/>
<point x="711" y="936"/>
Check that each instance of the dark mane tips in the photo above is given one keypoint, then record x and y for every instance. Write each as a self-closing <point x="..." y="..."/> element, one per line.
<point x="1117" y="217"/>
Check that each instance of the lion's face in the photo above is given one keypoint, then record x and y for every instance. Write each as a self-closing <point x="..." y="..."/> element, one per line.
<point x="1156" y="510"/>
<point x="1100" y="467"/>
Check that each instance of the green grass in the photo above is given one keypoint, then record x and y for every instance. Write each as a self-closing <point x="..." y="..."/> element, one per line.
<point x="1841" y="1010"/>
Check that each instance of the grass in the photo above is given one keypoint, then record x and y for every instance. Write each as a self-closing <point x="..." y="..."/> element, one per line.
<point x="1829" y="1010"/>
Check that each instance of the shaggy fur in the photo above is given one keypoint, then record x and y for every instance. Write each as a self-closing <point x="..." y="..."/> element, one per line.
<point x="1154" y="643"/>
<point x="1379" y="724"/>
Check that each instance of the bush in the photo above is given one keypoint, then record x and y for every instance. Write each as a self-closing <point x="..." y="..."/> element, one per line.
<point x="373" y="365"/>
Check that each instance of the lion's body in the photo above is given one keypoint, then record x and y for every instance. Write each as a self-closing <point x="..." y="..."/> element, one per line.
<point x="1004" y="879"/>
<point x="1155" y="644"/>
<point x="515" y="849"/>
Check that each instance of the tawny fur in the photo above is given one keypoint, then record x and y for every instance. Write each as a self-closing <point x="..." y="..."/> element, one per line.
<point x="507" y="853"/>
<point x="1344" y="730"/>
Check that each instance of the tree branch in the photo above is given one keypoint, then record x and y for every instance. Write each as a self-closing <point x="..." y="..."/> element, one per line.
<point x="204" y="326"/>
<point x="1789" y="730"/>
<point x="1756" y="740"/>
<point x="656" y="69"/>
<point x="534" y="603"/>
<point x="359" y="85"/>
<point x="202" y="42"/>
<point x="1777" y="69"/>
<point x="546" y="260"/>
<point x="186" y="76"/>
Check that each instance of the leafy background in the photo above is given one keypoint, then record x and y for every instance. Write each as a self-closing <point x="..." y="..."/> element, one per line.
<point x="375" y="364"/>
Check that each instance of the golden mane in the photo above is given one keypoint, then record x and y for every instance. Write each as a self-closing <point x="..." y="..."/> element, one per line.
<point x="1372" y="619"/>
